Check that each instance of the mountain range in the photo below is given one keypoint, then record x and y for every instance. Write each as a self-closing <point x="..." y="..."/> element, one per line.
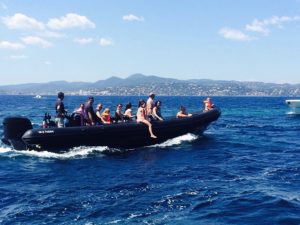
<point x="139" y="84"/>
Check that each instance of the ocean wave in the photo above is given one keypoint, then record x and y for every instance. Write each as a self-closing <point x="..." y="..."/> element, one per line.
<point x="192" y="199"/>
<point x="244" y="126"/>
<point x="176" y="141"/>
<point x="36" y="124"/>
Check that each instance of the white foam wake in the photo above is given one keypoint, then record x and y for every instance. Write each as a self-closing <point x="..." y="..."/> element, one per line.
<point x="4" y="149"/>
<point x="177" y="141"/>
<point x="293" y="113"/>
<point x="76" y="152"/>
<point x="83" y="151"/>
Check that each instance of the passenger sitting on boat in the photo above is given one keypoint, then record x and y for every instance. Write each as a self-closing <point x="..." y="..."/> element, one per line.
<point x="47" y="122"/>
<point x="150" y="105"/>
<point x="80" y="109"/>
<point x="90" y="115"/>
<point x="208" y="105"/>
<point x="128" y="111"/>
<point x="156" y="113"/>
<point x="81" y="113"/>
<point x="183" y="113"/>
<point x="106" y="116"/>
<point x="119" y="116"/>
<point x="60" y="110"/>
<point x="141" y="117"/>
<point x="99" y="119"/>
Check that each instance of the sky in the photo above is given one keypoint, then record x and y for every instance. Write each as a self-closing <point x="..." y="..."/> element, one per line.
<point x="91" y="40"/>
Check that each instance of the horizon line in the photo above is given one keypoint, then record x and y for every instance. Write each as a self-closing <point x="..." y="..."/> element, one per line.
<point x="67" y="81"/>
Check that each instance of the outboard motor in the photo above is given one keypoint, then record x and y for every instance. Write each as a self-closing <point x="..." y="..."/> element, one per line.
<point x="14" y="128"/>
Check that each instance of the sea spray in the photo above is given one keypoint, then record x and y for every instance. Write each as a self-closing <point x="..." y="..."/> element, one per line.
<point x="176" y="141"/>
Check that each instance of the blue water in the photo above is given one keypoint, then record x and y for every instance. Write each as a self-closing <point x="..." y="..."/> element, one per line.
<point x="245" y="169"/>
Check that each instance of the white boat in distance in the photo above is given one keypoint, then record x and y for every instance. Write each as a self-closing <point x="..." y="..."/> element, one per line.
<point x="294" y="104"/>
<point x="38" y="96"/>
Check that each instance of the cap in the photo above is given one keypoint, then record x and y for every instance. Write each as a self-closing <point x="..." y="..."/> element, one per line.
<point x="151" y="94"/>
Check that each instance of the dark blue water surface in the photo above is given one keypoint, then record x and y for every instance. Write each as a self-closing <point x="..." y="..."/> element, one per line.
<point x="245" y="169"/>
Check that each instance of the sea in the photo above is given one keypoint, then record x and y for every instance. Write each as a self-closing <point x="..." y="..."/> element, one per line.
<point x="245" y="169"/>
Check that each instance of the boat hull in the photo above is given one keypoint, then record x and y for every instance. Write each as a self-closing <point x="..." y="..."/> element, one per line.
<point x="294" y="105"/>
<point x="120" y="135"/>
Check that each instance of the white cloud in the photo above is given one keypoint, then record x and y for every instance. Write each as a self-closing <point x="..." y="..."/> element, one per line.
<point x="33" y="40"/>
<point x="258" y="26"/>
<point x="11" y="45"/>
<point x="105" y="42"/>
<point x="83" y="41"/>
<point x="48" y="62"/>
<point x="70" y="20"/>
<point x="23" y="22"/>
<point x="16" y="57"/>
<point x="132" y="17"/>
<point x="263" y="26"/>
<point x="233" y="34"/>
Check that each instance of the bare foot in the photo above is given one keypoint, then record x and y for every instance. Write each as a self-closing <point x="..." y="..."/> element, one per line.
<point x="153" y="136"/>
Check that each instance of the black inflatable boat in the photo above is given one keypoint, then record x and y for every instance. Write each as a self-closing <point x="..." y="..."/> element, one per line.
<point x="19" y="133"/>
